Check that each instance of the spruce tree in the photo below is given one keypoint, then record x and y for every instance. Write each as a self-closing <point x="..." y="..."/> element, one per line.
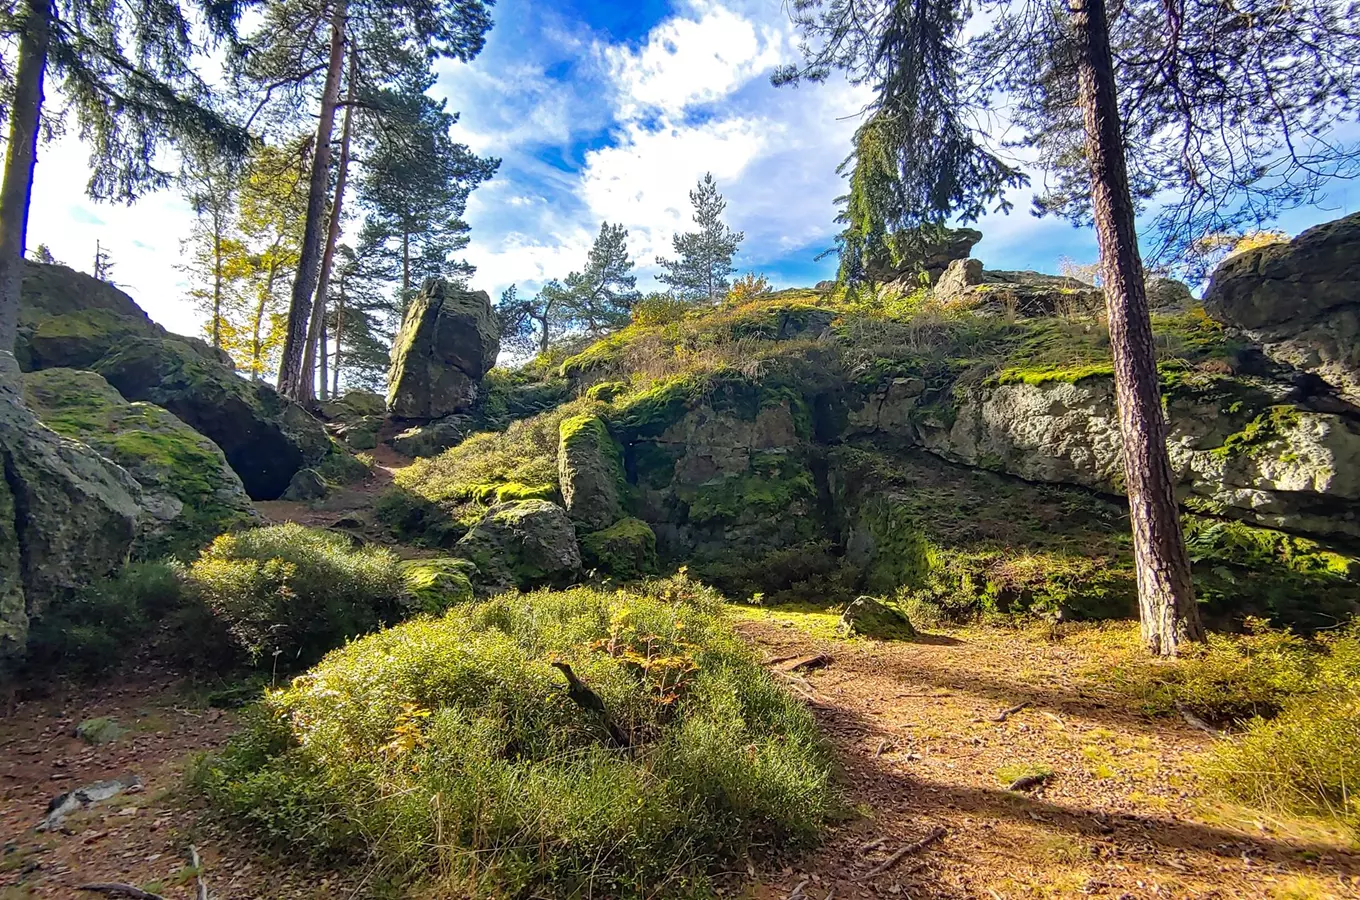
<point x="703" y="257"/>
<point x="1226" y="109"/>
<point x="125" y="71"/>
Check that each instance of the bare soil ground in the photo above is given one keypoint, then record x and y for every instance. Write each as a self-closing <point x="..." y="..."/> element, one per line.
<point x="918" y="733"/>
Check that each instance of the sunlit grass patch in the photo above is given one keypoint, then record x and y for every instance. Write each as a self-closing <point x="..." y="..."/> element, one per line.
<point x="447" y="753"/>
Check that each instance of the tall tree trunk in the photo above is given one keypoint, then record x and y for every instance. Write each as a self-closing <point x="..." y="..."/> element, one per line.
<point x="17" y="191"/>
<point x="1166" y="596"/>
<point x="257" y="345"/>
<point x="405" y="271"/>
<point x="323" y="382"/>
<point x="317" y="327"/>
<point x="217" y="282"/>
<point x="291" y="374"/>
<point x="339" y="336"/>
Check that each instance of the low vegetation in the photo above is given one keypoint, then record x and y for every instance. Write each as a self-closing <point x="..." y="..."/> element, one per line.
<point x="447" y="752"/>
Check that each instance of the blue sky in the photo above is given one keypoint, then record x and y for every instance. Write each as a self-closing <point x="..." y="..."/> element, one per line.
<point x="603" y="111"/>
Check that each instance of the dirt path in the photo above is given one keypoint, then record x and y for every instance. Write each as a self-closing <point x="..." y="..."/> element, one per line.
<point x="915" y="731"/>
<point x="915" y="726"/>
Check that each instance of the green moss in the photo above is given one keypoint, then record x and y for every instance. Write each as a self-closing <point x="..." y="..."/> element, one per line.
<point x="341" y="467"/>
<point x="626" y="549"/>
<point x="606" y="391"/>
<point x="1051" y="374"/>
<point x="776" y="482"/>
<point x="649" y="412"/>
<point x="1265" y="429"/>
<point x="511" y="491"/>
<point x="436" y="585"/>
<point x="888" y="542"/>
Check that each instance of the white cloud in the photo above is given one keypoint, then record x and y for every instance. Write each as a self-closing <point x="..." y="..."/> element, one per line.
<point x="689" y="61"/>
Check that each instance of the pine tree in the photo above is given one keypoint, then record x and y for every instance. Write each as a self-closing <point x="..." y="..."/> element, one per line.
<point x="601" y="295"/>
<point x="211" y="184"/>
<point x="1229" y="106"/>
<point x="704" y="257"/>
<point x="124" y="70"/>
<point x="415" y="189"/>
<point x="388" y="40"/>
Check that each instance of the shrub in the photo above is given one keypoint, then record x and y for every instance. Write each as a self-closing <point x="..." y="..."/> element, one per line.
<point x="296" y="592"/>
<point x="748" y="287"/>
<point x="660" y="309"/>
<point x="98" y="628"/>
<point x="1306" y="759"/>
<point x="448" y="752"/>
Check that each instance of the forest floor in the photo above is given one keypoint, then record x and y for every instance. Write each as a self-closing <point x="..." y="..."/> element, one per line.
<point x="925" y="754"/>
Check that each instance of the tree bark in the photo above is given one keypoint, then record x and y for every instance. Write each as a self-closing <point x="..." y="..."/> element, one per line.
<point x="405" y="271"/>
<point x="339" y="336"/>
<point x="217" y="280"/>
<point x="20" y="157"/>
<point x="304" y="282"/>
<point x="1166" y="597"/>
<point x="257" y="345"/>
<point x="323" y="383"/>
<point x="317" y="327"/>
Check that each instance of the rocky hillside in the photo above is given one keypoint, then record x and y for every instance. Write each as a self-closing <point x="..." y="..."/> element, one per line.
<point x="956" y="446"/>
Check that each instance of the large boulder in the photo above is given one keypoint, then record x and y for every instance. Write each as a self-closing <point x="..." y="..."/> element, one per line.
<point x="68" y="319"/>
<point x="265" y="437"/>
<point x="1237" y="444"/>
<point x="189" y="493"/>
<point x="626" y="549"/>
<point x="67" y="517"/>
<point x="932" y="258"/>
<point x="590" y="471"/>
<point x="447" y="343"/>
<point x="1300" y="300"/>
<point x="524" y="544"/>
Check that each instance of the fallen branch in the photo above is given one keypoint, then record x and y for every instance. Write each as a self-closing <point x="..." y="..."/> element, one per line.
<point x="882" y="748"/>
<point x="797" y="892"/>
<point x="872" y="845"/>
<point x="119" y="890"/>
<point x="201" y="892"/>
<point x="1195" y="721"/>
<point x="816" y="661"/>
<point x="1007" y="713"/>
<point x="780" y="659"/>
<point x="935" y="834"/>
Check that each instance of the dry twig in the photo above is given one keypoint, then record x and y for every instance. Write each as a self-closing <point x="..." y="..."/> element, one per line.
<point x="119" y="890"/>
<point x="935" y="834"/>
<point x="201" y="892"/>
<point x="1007" y="713"/>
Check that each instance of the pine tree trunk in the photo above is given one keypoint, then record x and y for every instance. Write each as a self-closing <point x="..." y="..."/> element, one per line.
<point x="324" y="380"/>
<point x="339" y="335"/>
<point x="1166" y="597"/>
<point x="16" y="192"/>
<point x="291" y="372"/>
<point x="257" y="345"/>
<point x="217" y="282"/>
<point x="405" y="271"/>
<point x="317" y="326"/>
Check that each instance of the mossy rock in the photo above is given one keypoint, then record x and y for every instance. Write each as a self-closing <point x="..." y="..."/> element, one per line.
<point x="101" y="730"/>
<point x="626" y="549"/>
<point x="438" y="584"/>
<point x="354" y="405"/>
<point x="264" y="436"/>
<point x="447" y="343"/>
<point x="874" y="618"/>
<point x="189" y="493"/>
<point x="590" y="472"/>
<point x="526" y="544"/>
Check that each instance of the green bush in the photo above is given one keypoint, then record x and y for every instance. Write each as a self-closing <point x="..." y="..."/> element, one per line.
<point x="1307" y="758"/>
<point x="296" y="592"/>
<point x="106" y="624"/>
<point x="447" y="753"/>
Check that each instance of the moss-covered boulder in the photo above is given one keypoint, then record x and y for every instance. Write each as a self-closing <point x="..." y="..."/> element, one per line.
<point x="68" y="319"/>
<point x="433" y="438"/>
<point x="626" y="549"/>
<point x="67" y="517"/>
<point x="448" y="341"/>
<point x="524" y="544"/>
<point x="189" y="492"/>
<point x="874" y="618"/>
<point x="437" y="584"/>
<point x="265" y="437"/>
<point x="353" y="405"/>
<point x="306" y="486"/>
<point x="1300" y="299"/>
<point x="590" y="472"/>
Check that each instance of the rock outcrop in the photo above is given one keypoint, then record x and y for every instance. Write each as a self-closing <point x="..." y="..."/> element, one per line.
<point x="626" y="549"/>
<point x="590" y="472"/>
<point x="265" y="437"/>
<point x="447" y="343"/>
<point x="1235" y="443"/>
<point x="67" y="517"/>
<point x="523" y="544"/>
<point x="1300" y="300"/>
<point x="189" y="493"/>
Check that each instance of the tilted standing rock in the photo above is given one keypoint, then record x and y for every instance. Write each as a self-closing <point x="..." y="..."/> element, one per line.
<point x="1300" y="300"/>
<point x="448" y="341"/>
